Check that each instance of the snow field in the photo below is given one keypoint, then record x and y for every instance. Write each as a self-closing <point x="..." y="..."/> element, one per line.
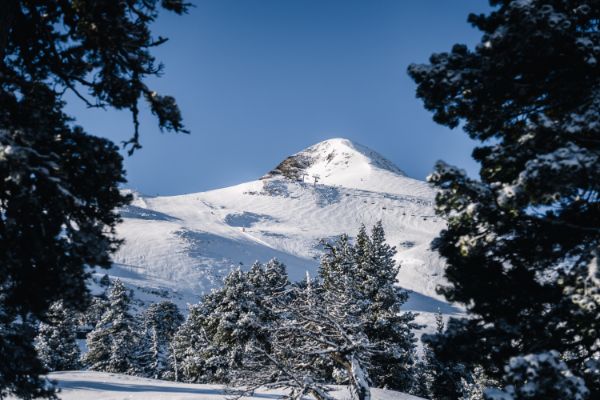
<point x="86" y="385"/>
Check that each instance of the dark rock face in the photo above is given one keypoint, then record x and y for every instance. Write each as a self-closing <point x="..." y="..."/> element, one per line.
<point x="293" y="167"/>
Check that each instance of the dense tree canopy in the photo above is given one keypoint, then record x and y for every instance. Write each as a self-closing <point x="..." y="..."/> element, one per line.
<point x="98" y="49"/>
<point x="59" y="185"/>
<point x="56" y="343"/>
<point x="522" y="241"/>
<point x="113" y="345"/>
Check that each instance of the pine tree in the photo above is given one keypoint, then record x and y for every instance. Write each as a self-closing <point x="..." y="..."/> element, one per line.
<point x="161" y="322"/>
<point x="388" y="328"/>
<point x="427" y="368"/>
<point x="539" y="377"/>
<point x="20" y="375"/>
<point x="318" y="328"/>
<point x="349" y="325"/>
<point x="233" y="322"/>
<point x="362" y="250"/>
<point x="190" y="346"/>
<point x="309" y="328"/>
<point x="366" y="274"/>
<point x="238" y="323"/>
<point x="113" y="344"/>
<point x="216" y="341"/>
<point x="521" y="242"/>
<point x="60" y="186"/>
<point x="94" y="312"/>
<point x="337" y="261"/>
<point x="56" y="342"/>
<point x="269" y="279"/>
<point x="442" y="379"/>
<point x="476" y="385"/>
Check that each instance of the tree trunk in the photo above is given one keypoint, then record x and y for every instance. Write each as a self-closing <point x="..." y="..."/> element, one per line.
<point x="359" y="384"/>
<point x="175" y="363"/>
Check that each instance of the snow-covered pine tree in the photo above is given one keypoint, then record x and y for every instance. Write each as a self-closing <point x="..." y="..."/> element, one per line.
<point x="161" y="322"/>
<point x="428" y="367"/>
<point x="476" y="385"/>
<point x="233" y="321"/>
<point x="422" y="377"/>
<point x="361" y="250"/>
<point x="438" y="380"/>
<point x="189" y="347"/>
<point x="540" y="376"/>
<point x="288" y="333"/>
<point x="267" y="282"/>
<point x="56" y="342"/>
<point x="522" y="241"/>
<point x="337" y="261"/>
<point x="316" y="327"/>
<point x="113" y="344"/>
<point x="216" y="342"/>
<point x="269" y="279"/>
<point x="238" y="326"/>
<point x="93" y="314"/>
<point x="20" y="374"/>
<point x="288" y="363"/>
<point x="389" y="329"/>
<point x="367" y="272"/>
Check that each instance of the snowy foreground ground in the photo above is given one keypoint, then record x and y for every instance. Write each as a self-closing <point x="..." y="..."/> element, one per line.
<point x="84" y="385"/>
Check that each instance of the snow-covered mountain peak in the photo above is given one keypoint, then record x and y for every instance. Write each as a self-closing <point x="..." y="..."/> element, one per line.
<point x="189" y="243"/>
<point x="342" y="163"/>
<point x="331" y="161"/>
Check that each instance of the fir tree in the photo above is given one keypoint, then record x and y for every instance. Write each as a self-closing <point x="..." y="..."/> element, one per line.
<point x="362" y="258"/>
<point x="189" y="348"/>
<point x="428" y="368"/>
<point x="215" y="342"/>
<point x="337" y="261"/>
<point x="539" y="377"/>
<point x="161" y="321"/>
<point x="349" y="324"/>
<point x="20" y="375"/>
<point x="231" y="324"/>
<point x="521" y="242"/>
<point x="113" y="344"/>
<point x="56" y="342"/>
<point x="388" y="328"/>
<point x="366" y="273"/>
<point x="309" y="328"/>
<point x="443" y="379"/>
<point x="94" y="312"/>
<point x="319" y="327"/>
<point x="476" y="385"/>
<point x="60" y="186"/>
<point x="239" y="320"/>
<point x="269" y="279"/>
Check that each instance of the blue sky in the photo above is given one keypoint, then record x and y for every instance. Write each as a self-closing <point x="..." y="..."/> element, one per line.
<point x="258" y="80"/>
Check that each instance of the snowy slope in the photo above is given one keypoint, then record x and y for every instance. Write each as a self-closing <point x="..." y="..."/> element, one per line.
<point x="190" y="242"/>
<point x="87" y="385"/>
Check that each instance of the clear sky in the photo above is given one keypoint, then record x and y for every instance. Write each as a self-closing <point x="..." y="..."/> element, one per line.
<point x="258" y="80"/>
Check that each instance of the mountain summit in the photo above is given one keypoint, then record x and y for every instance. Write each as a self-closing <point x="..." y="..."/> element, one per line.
<point x="342" y="163"/>
<point x="330" y="160"/>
